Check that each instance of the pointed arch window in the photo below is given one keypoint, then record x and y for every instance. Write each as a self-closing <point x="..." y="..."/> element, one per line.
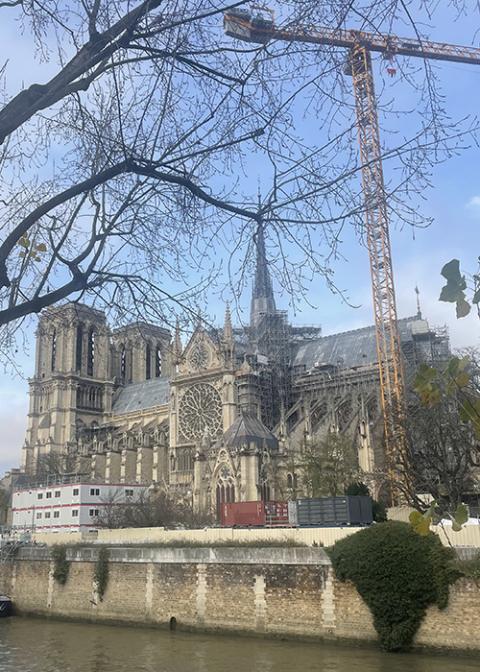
<point x="91" y="352"/>
<point x="123" y="363"/>
<point x="158" y="362"/>
<point x="54" y="350"/>
<point x="79" y="348"/>
<point x="265" y="492"/>
<point x="148" y="362"/>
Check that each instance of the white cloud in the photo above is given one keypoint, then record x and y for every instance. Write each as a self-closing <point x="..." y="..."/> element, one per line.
<point x="474" y="203"/>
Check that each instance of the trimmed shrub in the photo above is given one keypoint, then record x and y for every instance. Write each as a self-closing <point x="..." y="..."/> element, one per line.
<point x="61" y="566"/>
<point x="398" y="573"/>
<point x="101" y="571"/>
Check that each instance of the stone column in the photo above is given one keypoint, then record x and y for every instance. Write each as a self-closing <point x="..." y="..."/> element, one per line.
<point x="113" y="467"/>
<point x="229" y="407"/>
<point x="98" y="466"/>
<point x="249" y="476"/>
<point x="128" y="466"/>
<point x="199" y="486"/>
<point x="144" y="467"/>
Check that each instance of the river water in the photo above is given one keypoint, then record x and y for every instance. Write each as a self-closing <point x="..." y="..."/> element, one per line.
<point x="34" y="645"/>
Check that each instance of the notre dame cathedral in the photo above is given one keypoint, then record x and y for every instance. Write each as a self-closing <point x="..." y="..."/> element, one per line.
<point x="226" y="417"/>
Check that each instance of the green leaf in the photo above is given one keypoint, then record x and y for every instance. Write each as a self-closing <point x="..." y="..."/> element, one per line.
<point x="41" y="247"/>
<point x="470" y="412"/>
<point x="453" y="366"/>
<point x="451" y="272"/>
<point x="463" y="308"/>
<point x="426" y="373"/>
<point x="451" y="293"/>
<point x="462" y="379"/>
<point x="420" y="522"/>
<point x="461" y="514"/>
<point x="456" y="527"/>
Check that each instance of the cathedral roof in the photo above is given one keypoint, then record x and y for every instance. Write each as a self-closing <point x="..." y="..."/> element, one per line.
<point x="248" y="429"/>
<point x="350" y="348"/>
<point x="138" y="396"/>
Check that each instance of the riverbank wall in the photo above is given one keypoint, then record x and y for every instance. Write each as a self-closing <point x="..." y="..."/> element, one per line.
<point x="287" y="591"/>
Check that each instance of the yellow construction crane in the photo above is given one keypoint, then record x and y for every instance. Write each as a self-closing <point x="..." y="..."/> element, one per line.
<point x="258" y="26"/>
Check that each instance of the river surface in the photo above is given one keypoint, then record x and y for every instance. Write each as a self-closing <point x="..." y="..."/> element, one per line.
<point x="34" y="645"/>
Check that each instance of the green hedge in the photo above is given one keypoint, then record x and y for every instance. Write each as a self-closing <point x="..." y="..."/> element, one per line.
<point x="399" y="574"/>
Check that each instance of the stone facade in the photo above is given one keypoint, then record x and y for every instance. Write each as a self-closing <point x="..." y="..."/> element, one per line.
<point x="287" y="592"/>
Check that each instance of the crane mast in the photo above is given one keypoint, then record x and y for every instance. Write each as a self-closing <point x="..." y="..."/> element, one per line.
<point x="389" y="353"/>
<point x="260" y="28"/>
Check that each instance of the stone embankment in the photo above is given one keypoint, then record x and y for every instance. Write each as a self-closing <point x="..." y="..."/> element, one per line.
<point x="287" y="591"/>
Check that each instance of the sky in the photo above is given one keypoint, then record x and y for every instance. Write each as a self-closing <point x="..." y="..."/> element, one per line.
<point x="453" y="202"/>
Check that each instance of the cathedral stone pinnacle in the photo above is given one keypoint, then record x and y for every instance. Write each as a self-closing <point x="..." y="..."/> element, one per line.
<point x="227" y="327"/>
<point x="177" y="346"/>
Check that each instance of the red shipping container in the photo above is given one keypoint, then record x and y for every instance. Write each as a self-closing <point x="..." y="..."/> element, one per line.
<point x="254" y="514"/>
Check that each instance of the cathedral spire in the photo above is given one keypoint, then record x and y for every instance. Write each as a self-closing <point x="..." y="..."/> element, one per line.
<point x="419" y="309"/>
<point x="263" y="301"/>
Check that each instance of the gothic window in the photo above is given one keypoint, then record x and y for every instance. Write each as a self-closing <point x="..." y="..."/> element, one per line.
<point x="158" y="362"/>
<point x="123" y="363"/>
<point x="148" y="362"/>
<point x="225" y="493"/>
<point x="265" y="492"/>
<point x="199" y="357"/>
<point x="91" y="352"/>
<point x="292" y="481"/>
<point x="79" y="348"/>
<point x="54" y="349"/>
<point x="184" y="460"/>
<point x="200" y="411"/>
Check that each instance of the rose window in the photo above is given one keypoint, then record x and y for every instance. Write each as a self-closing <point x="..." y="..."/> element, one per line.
<point x="200" y="411"/>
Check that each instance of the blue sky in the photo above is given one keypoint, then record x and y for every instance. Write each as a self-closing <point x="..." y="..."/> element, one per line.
<point x="453" y="202"/>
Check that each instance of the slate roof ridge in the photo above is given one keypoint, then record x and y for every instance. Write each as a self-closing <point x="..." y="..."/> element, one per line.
<point x="366" y="328"/>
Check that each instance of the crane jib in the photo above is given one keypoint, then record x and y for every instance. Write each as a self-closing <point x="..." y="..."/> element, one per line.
<point x="243" y="29"/>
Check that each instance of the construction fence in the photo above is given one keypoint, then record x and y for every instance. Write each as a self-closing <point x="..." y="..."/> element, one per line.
<point x="469" y="536"/>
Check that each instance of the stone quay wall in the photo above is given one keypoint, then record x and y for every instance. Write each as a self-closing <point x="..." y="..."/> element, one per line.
<point x="288" y="592"/>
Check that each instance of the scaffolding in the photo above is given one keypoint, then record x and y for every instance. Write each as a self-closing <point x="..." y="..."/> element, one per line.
<point x="10" y="542"/>
<point x="271" y="341"/>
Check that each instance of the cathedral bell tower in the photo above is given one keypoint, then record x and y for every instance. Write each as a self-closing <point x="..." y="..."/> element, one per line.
<point x="71" y="387"/>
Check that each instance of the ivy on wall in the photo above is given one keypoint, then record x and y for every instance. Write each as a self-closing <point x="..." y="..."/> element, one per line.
<point x="101" y="571"/>
<point x="61" y="566"/>
<point x="398" y="573"/>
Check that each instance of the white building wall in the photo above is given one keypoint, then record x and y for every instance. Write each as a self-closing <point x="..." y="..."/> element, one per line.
<point x="68" y="507"/>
